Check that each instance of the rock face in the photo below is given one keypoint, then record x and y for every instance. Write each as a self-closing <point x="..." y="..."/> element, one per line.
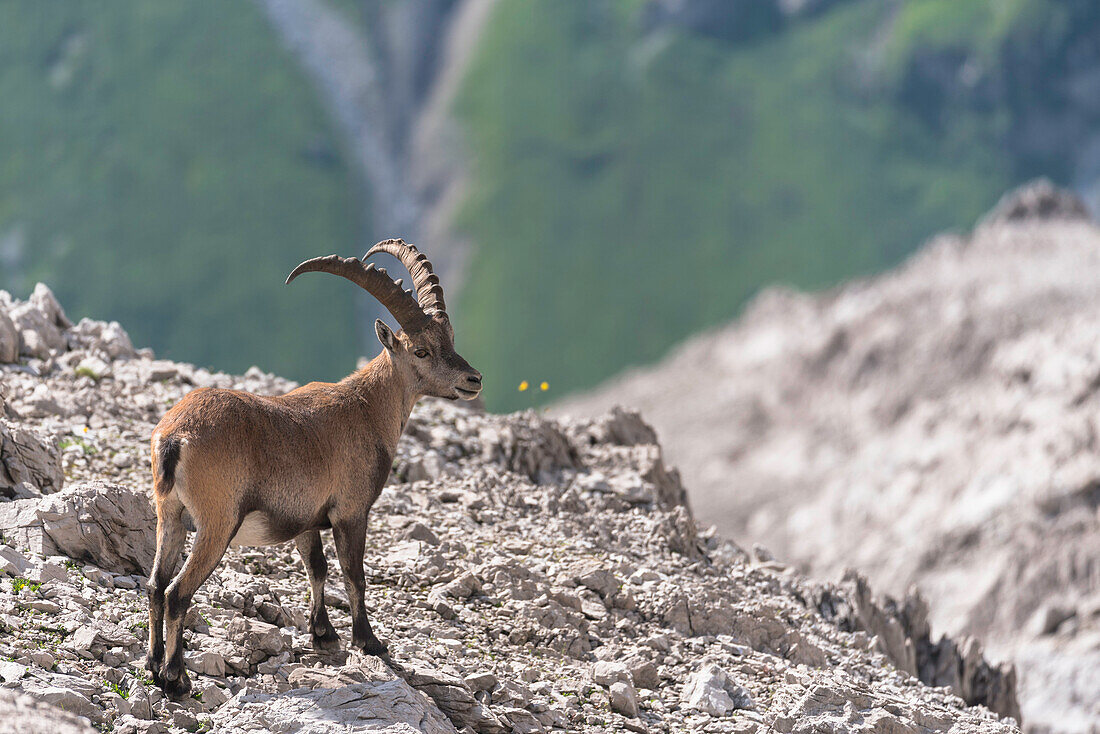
<point x="528" y="575"/>
<point x="934" y="426"/>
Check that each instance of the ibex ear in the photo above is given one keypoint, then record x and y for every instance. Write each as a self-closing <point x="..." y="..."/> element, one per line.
<point x="385" y="334"/>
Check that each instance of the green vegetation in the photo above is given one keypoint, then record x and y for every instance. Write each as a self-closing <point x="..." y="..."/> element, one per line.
<point x="630" y="191"/>
<point x="980" y="27"/>
<point x="166" y="165"/>
<point x="19" y="583"/>
<point x="116" y="688"/>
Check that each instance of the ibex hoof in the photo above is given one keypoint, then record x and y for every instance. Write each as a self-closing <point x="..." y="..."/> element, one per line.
<point x="153" y="666"/>
<point x="374" y="646"/>
<point x="326" y="640"/>
<point x="174" y="681"/>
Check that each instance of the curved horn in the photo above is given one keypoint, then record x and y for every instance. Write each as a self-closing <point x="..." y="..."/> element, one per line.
<point x="429" y="293"/>
<point x="371" y="279"/>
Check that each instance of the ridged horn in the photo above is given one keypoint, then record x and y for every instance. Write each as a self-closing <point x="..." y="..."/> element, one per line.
<point x="371" y="279"/>
<point x="429" y="293"/>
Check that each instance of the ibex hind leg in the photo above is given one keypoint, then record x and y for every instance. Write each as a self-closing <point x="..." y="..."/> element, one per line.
<point x="210" y="544"/>
<point x="171" y="535"/>
<point x="350" y="540"/>
<point x="313" y="556"/>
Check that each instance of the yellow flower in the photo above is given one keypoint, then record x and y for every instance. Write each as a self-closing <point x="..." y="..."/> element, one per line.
<point x="544" y="386"/>
<point x="523" y="386"/>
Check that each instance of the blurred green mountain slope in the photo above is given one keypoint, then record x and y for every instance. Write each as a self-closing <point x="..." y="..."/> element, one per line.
<point x="637" y="169"/>
<point x="166" y="165"/>
<point x="635" y="185"/>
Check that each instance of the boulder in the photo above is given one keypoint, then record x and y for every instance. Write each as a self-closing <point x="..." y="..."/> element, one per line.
<point x="378" y="707"/>
<point x="455" y="699"/>
<point x="65" y="693"/>
<point x="41" y="323"/>
<point x="108" y="339"/>
<point x="100" y="523"/>
<point x="712" y="691"/>
<point x="259" y="640"/>
<point x="21" y="714"/>
<point x="30" y="463"/>
<point x="607" y="673"/>
<point x="47" y="304"/>
<point x="623" y="699"/>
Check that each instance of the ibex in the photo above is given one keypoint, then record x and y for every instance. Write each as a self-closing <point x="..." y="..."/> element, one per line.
<point x="254" y="470"/>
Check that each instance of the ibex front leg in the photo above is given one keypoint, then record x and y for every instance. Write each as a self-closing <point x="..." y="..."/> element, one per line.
<point x="351" y="537"/>
<point x="313" y="556"/>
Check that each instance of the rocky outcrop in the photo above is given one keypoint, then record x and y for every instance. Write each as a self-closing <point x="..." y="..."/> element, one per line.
<point x="528" y="574"/>
<point x="932" y="426"/>
<point x="1037" y="201"/>
<point x="96" y="522"/>
<point x="902" y="632"/>
<point x="365" y="697"/>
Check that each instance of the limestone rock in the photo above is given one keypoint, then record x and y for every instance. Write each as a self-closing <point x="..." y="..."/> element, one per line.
<point x="108" y="339"/>
<point x="902" y="632"/>
<point x="9" y="338"/>
<point x="30" y="463"/>
<point x="97" y="522"/>
<point x="931" y="425"/>
<point x="1037" y="200"/>
<point x="605" y="673"/>
<point x="21" y="714"/>
<point x="62" y="697"/>
<point x="259" y="640"/>
<point x="528" y="445"/>
<point x="385" y="707"/>
<point x="623" y="699"/>
<point x="455" y="699"/>
<point x="41" y="323"/>
<point x="712" y="691"/>
<point x="511" y="560"/>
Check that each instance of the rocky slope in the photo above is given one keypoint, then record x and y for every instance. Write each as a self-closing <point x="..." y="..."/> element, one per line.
<point x="528" y="574"/>
<point x="935" y="425"/>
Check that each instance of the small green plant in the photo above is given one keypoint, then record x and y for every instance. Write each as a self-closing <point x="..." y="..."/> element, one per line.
<point x="116" y="688"/>
<point x="19" y="583"/>
<point x="85" y="446"/>
<point x="86" y="371"/>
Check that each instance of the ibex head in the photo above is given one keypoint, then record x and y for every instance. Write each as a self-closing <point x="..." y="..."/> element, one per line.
<point x="423" y="349"/>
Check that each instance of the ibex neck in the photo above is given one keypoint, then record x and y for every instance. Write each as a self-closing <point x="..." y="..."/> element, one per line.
<point x="385" y="392"/>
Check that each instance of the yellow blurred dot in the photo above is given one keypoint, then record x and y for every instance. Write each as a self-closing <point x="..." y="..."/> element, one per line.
<point x="544" y="386"/>
<point x="523" y="386"/>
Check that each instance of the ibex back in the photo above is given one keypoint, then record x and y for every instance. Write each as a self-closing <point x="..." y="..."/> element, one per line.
<point x="255" y="470"/>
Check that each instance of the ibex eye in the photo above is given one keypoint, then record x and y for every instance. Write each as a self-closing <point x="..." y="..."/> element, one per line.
<point x="422" y="353"/>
